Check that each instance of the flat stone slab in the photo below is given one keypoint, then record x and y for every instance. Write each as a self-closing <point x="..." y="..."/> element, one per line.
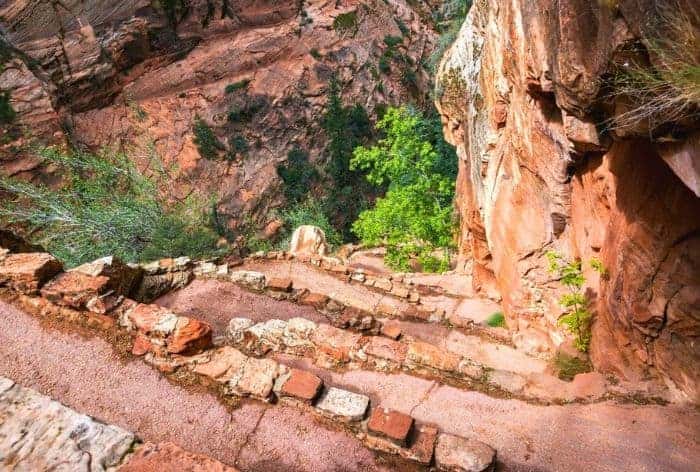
<point x="301" y="385"/>
<point x="391" y="424"/>
<point x="37" y="433"/>
<point x="342" y="404"/>
<point x="457" y="454"/>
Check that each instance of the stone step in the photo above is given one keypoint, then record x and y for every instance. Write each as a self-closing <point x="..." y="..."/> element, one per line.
<point x="37" y="433"/>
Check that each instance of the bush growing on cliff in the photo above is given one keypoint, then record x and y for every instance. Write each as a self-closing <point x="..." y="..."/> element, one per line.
<point x="662" y="79"/>
<point x="106" y="207"/>
<point x="576" y="317"/>
<point x="206" y="141"/>
<point x="415" y="217"/>
<point x="298" y="175"/>
<point x="448" y="21"/>
<point x="7" y="113"/>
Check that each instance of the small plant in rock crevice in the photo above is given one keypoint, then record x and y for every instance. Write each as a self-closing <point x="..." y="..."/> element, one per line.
<point x="568" y="367"/>
<point x="577" y="316"/>
<point x="496" y="320"/>
<point x="206" y="141"/>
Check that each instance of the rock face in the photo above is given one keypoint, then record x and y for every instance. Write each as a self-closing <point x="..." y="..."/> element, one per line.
<point x="524" y="97"/>
<point x="308" y="240"/>
<point x="135" y="76"/>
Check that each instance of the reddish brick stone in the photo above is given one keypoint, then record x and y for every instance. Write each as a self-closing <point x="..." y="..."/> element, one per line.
<point x="189" y="335"/>
<point x="413" y="312"/>
<point x="334" y="342"/>
<point x="169" y="457"/>
<point x="302" y="385"/>
<point x="27" y="272"/>
<point x="141" y="346"/>
<point x="225" y="363"/>
<point x="386" y="349"/>
<point x="316" y="300"/>
<point x="280" y="284"/>
<point x="432" y="356"/>
<point x="391" y="330"/>
<point x="421" y="444"/>
<point x="74" y="289"/>
<point x="391" y="424"/>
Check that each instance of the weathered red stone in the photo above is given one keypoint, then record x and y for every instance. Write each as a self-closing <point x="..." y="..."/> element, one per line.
<point x="432" y="356"/>
<point x="385" y="348"/>
<point x="334" y="342"/>
<point x="167" y="457"/>
<point x="316" y="300"/>
<point x="391" y="330"/>
<point x="141" y="346"/>
<point x="145" y="318"/>
<point x="189" y="335"/>
<point x="302" y="385"/>
<point x="391" y="424"/>
<point x="421" y="444"/>
<point x="27" y="272"/>
<point x="74" y="289"/>
<point x="280" y="284"/>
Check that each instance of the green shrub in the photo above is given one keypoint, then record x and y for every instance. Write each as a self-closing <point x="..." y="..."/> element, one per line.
<point x="246" y="112"/>
<point x="402" y="27"/>
<point x="384" y="65"/>
<point x="315" y="54"/>
<point x="568" y="367"/>
<point x="241" y="84"/>
<point x="661" y="79"/>
<point x="419" y="170"/>
<point x="238" y="144"/>
<point x="175" y="10"/>
<point x="449" y="20"/>
<point x="206" y="141"/>
<point x="7" y="113"/>
<point x="576" y="317"/>
<point x="496" y="320"/>
<point x="392" y="41"/>
<point x="298" y="175"/>
<point x="345" y="22"/>
<point x="106" y="207"/>
<point x="310" y="212"/>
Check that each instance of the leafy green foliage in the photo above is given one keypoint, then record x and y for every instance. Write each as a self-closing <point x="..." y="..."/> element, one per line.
<point x="346" y="127"/>
<point x="405" y="31"/>
<point x="568" y="367"/>
<point x="207" y="143"/>
<point x="346" y="22"/>
<point x="384" y="64"/>
<point x="496" y="320"/>
<point x="298" y="175"/>
<point x="7" y="113"/>
<point x="315" y="53"/>
<point x="392" y="41"/>
<point x="415" y="217"/>
<point x="106" y="207"/>
<point x="576" y="317"/>
<point x="241" y="84"/>
<point x="310" y="212"/>
<point x="246" y="112"/>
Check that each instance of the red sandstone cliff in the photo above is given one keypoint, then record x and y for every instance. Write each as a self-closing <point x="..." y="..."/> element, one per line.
<point x="524" y="93"/>
<point x="132" y="75"/>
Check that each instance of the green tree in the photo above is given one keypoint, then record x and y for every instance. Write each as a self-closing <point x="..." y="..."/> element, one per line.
<point x="346" y="127"/>
<point x="415" y="217"/>
<point x="106" y="207"/>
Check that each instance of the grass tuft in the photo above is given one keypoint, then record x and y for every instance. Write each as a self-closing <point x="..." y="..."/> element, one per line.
<point x="496" y="320"/>
<point x="568" y="367"/>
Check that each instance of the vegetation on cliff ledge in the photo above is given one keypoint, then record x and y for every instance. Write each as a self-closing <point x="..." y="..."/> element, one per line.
<point x="106" y="207"/>
<point x="416" y="216"/>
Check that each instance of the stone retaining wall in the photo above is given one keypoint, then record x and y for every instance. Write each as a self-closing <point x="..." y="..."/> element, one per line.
<point x="172" y="342"/>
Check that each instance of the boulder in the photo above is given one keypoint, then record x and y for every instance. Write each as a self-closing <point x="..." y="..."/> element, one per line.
<point x="308" y="240"/>
<point x="27" y="272"/>
<point x="457" y="454"/>
<point x="123" y="278"/>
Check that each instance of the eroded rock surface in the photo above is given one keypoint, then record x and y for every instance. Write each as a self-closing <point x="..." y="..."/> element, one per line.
<point x="523" y="97"/>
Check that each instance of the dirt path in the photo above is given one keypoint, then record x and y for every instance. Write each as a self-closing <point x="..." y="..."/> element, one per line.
<point x="217" y="302"/>
<point x="605" y="437"/>
<point x="86" y="375"/>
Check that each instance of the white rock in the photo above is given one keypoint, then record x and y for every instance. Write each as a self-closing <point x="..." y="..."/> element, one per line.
<point x="342" y="404"/>
<point x="308" y="240"/>
<point x="236" y="328"/>
<point x="248" y="278"/>
<point x="457" y="454"/>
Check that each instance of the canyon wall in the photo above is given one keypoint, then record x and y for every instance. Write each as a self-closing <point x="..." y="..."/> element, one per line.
<point x="135" y="75"/>
<point x="525" y="94"/>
